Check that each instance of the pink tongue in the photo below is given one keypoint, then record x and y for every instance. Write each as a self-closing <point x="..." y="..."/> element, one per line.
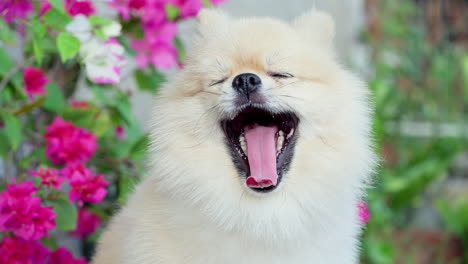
<point x="261" y="152"/>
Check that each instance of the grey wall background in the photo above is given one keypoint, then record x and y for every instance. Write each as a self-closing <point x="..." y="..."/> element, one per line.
<point x="349" y="20"/>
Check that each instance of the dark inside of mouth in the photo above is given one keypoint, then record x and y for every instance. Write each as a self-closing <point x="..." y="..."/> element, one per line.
<point x="286" y="124"/>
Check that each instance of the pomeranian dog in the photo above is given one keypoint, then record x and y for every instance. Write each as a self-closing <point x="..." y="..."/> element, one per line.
<point x="261" y="151"/>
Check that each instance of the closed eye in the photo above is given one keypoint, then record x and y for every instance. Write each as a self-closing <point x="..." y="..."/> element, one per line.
<point x="218" y="81"/>
<point x="280" y="75"/>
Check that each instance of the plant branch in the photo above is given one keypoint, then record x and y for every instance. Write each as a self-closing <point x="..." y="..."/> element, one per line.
<point x="28" y="107"/>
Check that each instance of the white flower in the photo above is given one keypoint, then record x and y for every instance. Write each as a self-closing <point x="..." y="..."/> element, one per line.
<point x="80" y="27"/>
<point x="112" y="30"/>
<point x="103" y="60"/>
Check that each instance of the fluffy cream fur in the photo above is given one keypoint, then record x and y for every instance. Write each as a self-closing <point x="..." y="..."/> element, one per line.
<point x="194" y="208"/>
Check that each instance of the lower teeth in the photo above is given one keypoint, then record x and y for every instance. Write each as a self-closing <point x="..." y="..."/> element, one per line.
<point x="243" y="144"/>
<point x="279" y="143"/>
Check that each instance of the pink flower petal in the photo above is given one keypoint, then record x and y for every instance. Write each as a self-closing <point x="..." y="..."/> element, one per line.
<point x="364" y="212"/>
<point x="23" y="214"/>
<point x="64" y="256"/>
<point x="16" y="250"/>
<point x="35" y="81"/>
<point x="88" y="223"/>
<point x="69" y="144"/>
<point x="50" y="177"/>
<point x="15" y="9"/>
<point x="86" y="186"/>
<point x="75" y="7"/>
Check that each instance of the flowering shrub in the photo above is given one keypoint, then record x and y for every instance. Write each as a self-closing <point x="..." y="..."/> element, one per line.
<point x="66" y="161"/>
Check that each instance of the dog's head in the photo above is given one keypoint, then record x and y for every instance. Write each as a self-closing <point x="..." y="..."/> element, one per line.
<point x="261" y="113"/>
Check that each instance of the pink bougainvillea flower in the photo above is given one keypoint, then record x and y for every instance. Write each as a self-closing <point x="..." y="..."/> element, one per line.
<point x="191" y="8"/>
<point x="217" y="2"/>
<point x="23" y="214"/>
<point x="79" y="104"/>
<point x="24" y="189"/>
<point x="164" y="56"/>
<point x="45" y="6"/>
<point x="138" y="4"/>
<point x="125" y="7"/>
<point x="122" y="7"/>
<point x="159" y="48"/>
<point x="153" y="13"/>
<point x="13" y="9"/>
<point x="364" y="212"/>
<point x="75" y="7"/>
<point x="88" y="223"/>
<point x="188" y="8"/>
<point x="163" y="33"/>
<point x="69" y="144"/>
<point x="64" y="256"/>
<point x="50" y="177"/>
<point x="120" y="132"/>
<point x="86" y="186"/>
<point x="14" y="250"/>
<point x="35" y="81"/>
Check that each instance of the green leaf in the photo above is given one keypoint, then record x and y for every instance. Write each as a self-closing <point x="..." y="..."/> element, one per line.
<point x="39" y="31"/>
<point x="50" y="242"/>
<point x="6" y="34"/>
<point x="125" y="41"/>
<point x="465" y="73"/>
<point x="56" y="19"/>
<point x="138" y="150"/>
<point x="454" y="214"/>
<point x="4" y="146"/>
<point x="172" y="11"/>
<point x="55" y="99"/>
<point x="6" y="63"/>
<point x="68" y="45"/>
<point x="101" y="124"/>
<point x="58" y="4"/>
<point x="134" y="28"/>
<point x="382" y="251"/>
<point x="6" y="95"/>
<point x="100" y="32"/>
<point x="182" y="53"/>
<point x="38" y="50"/>
<point x="125" y="110"/>
<point x="67" y="214"/>
<point x="149" y="81"/>
<point x="99" y="21"/>
<point x="13" y="129"/>
<point x="101" y="95"/>
<point x="38" y="28"/>
<point x="94" y="237"/>
<point x="126" y="185"/>
<point x="207" y="3"/>
<point x="92" y="118"/>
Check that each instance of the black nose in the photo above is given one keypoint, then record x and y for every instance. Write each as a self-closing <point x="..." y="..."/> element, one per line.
<point x="246" y="83"/>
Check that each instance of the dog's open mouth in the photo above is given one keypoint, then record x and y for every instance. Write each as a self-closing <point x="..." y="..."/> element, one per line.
<point x="261" y="144"/>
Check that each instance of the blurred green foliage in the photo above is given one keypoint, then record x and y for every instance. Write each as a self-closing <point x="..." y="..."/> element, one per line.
<point x="415" y="79"/>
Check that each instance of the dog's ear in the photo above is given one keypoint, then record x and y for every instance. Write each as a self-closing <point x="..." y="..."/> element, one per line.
<point x="212" y="20"/>
<point x="317" y="26"/>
